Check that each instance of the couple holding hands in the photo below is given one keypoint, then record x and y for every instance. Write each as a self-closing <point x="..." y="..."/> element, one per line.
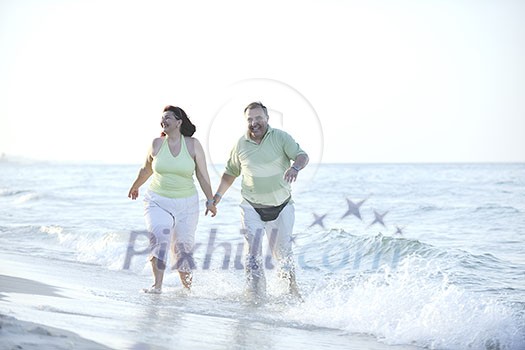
<point x="268" y="159"/>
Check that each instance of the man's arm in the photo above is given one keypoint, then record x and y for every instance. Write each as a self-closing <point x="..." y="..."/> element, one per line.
<point x="300" y="162"/>
<point x="226" y="182"/>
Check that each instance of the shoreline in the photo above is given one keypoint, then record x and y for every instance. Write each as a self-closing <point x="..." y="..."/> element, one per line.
<point x="94" y="308"/>
<point x="19" y="334"/>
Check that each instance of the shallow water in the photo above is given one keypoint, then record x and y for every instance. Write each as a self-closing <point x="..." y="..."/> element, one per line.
<point x="446" y="270"/>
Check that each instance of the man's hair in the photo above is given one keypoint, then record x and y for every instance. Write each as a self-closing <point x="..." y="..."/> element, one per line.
<point x="255" y="105"/>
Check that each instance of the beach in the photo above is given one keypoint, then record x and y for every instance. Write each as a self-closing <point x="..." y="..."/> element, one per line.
<point x="77" y="313"/>
<point x="443" y="271"/>
<point x="30" y="335"/>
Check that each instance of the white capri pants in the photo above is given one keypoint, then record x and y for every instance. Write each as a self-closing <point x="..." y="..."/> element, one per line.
<point x="279" y="235"/>
<point x="171" y="224"/>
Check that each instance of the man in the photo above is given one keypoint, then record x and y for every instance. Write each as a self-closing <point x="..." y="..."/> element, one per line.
<point x="263" y="156"/>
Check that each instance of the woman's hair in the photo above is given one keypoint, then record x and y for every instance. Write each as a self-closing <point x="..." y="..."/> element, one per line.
<point x="187" y="128"/>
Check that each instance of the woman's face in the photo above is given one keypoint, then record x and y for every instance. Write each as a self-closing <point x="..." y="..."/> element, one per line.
<point x="169" y="122"/>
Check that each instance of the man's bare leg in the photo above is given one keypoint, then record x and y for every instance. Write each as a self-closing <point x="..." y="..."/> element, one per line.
<point x="294" y="288"/>
<point x="186" y="278"/>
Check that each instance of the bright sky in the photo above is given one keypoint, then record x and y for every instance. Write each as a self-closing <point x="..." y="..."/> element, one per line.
<point x="352" y="81"/>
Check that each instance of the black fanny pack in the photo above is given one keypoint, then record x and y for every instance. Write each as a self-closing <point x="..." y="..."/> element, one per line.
<point x="267" y="212"/>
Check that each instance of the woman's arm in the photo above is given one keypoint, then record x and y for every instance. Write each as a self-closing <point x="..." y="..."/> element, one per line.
<point x="143" y="175"/>
<point x="201" y="171"/>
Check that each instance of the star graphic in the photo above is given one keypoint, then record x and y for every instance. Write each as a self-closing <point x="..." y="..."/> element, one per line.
<point x="353" y="208"/>
<point x="292" y="238"/>
<point x="318" y="220"/>
<point x="378" y="218"/>
<point x="399" y="231"/>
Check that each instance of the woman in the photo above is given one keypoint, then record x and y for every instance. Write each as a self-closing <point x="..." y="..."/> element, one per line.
<point x="171" y="202"/>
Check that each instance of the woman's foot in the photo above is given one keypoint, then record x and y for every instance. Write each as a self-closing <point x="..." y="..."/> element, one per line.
<point x="152" y="290"/>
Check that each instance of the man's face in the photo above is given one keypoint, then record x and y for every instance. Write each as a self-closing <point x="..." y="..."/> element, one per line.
<point x="257" y="122"/>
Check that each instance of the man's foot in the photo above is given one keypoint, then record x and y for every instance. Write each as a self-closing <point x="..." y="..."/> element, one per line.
<point x="254" y="297"/>
<point x="152" y="290"/>
<point x="294" y="289"/>
<point x="294" y="292"/>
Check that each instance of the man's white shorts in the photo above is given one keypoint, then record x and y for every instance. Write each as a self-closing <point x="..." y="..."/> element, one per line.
<point x="278" y="232"/>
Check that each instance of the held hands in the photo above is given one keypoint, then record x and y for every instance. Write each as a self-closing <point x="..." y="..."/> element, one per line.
<point x="217" y="198"/>
<point x="211" y="207"/>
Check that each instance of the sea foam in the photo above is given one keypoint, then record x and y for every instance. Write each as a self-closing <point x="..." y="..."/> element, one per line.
<point x="414" y="304"/>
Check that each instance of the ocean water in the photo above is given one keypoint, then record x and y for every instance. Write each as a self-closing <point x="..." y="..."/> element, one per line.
<point x="433" y="257"/>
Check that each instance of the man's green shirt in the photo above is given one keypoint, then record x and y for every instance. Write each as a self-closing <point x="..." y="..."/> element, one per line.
<point x="263" y="165"/>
